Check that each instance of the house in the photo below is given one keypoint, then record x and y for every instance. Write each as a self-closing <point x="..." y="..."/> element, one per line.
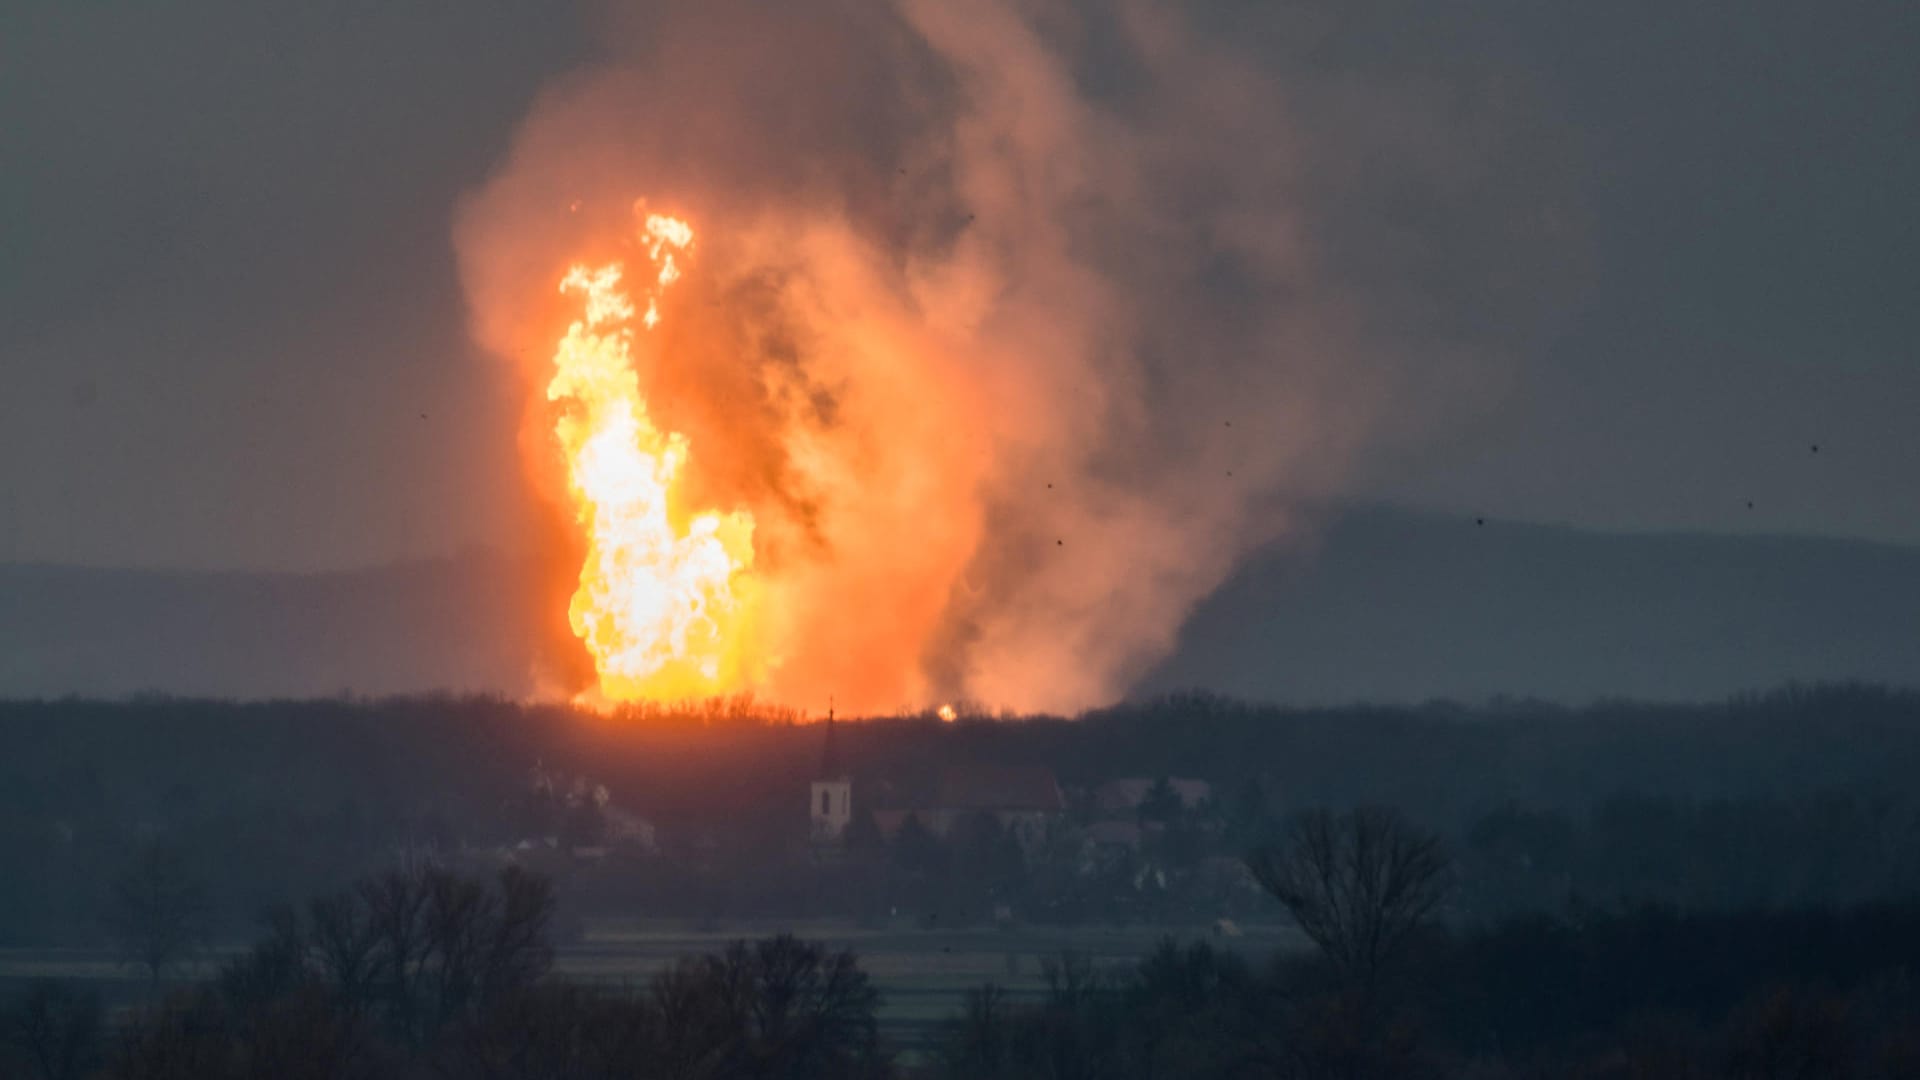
<point x="1109" y="838"/>
<point x="1124" y="796"/>
<point x="629" y="831"/>
<point x="1024" y="799"/>
<point x="1105" y="844"/>
<point x="1228" y="874"/>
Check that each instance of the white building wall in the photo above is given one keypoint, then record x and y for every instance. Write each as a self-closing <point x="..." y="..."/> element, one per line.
<point x="831" y="809"/>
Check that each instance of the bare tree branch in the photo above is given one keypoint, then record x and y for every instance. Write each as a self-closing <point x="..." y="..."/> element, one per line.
<point x="1359" y="885"/>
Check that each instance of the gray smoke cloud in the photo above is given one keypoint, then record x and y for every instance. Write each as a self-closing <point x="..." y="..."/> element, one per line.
<point x="1016" y="325"/>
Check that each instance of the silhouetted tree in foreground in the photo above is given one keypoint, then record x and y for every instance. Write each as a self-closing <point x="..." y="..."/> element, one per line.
<point x="158" y="913"/>
<point x="52" y="1034"/>
<point x="1364" y="886"/>
<point x="774" y="1008"/>
<point x="1181" y="1012"/>
<point x="434" y="974"/>
<point x="1726" y="996"/>
<point x="1360" y="885"/>
<point x="400" y="968"/>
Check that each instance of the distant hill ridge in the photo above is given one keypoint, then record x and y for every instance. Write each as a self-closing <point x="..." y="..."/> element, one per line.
<point x="1386" y="605"/>
<point x="437" y="624"/>
<point x="1394" y="605"/>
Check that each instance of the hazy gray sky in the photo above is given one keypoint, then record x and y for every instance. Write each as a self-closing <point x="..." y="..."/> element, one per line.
<point x="231" y="335"/>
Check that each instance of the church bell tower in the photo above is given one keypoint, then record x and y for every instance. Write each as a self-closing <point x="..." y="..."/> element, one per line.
<point x="832" y="793"/>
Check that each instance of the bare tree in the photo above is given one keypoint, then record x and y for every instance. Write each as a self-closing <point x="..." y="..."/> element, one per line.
<point x="55" y="1031"/>
<point x="1359" y="884"/>
<point x="434" y="948"/>
<point x="345" y="944"/>
<point x="778" y="1007"/>
<point x="976" y="1041"/>
<point x="424" y="967"/>
<point x="1785" y="1032"/>
<point x="158" y="913"/>
<point x="182" y="1036"/>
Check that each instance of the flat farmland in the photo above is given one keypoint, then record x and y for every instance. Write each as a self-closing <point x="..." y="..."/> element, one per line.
<point x="922" y="974"/>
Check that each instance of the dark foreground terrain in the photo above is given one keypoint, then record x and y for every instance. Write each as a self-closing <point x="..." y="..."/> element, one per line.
<point x="1801" y="796"/>
<point x="475" y="887"/>
<point x="426" y="973"/>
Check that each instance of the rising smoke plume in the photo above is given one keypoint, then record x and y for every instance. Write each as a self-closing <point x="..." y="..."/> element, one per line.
<point x="1013" y="326"/>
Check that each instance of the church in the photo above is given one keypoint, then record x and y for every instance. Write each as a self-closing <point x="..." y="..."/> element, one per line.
<point x="832" y="794"/>
<point x="1024" y="799"/>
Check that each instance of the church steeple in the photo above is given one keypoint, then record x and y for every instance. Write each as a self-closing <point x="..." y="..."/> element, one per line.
<point x="831" y="807"/>
<point x="830" y="750"/>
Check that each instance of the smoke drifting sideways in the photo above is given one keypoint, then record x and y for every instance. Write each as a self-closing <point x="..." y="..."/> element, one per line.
<point x="1013" y="326"/>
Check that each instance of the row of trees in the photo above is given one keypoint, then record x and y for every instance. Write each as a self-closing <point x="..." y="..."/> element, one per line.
<point x="433" y="974"/>
<point x="274" y="800"/>
<point x="1468" y="1008"/>
<point x="1390" y="992"/>
<point x="1817" y="848"/>
<point x="428" y="973"/>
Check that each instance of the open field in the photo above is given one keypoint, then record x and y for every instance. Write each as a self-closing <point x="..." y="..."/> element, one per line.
<point x="923" y="974"/>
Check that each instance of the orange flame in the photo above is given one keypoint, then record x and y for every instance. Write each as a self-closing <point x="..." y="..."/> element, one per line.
<point x="665" y="596"/>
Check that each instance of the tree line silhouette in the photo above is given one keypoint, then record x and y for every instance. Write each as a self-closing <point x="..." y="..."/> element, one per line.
<point x="1541" y="804"/>
<point x="430" y="973"/>
<point x="1391" y="991"/>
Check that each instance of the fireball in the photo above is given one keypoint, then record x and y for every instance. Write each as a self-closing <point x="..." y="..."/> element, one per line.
<point x="665" y="594"/>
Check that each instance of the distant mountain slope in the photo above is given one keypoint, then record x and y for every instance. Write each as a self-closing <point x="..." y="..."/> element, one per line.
<point x="1387" y="606"/>
<point x="411" y="627"/>
<point x="1397" y="605"/>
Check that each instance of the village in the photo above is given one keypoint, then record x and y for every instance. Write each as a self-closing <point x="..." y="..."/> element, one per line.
<point x="963" y="843"/>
